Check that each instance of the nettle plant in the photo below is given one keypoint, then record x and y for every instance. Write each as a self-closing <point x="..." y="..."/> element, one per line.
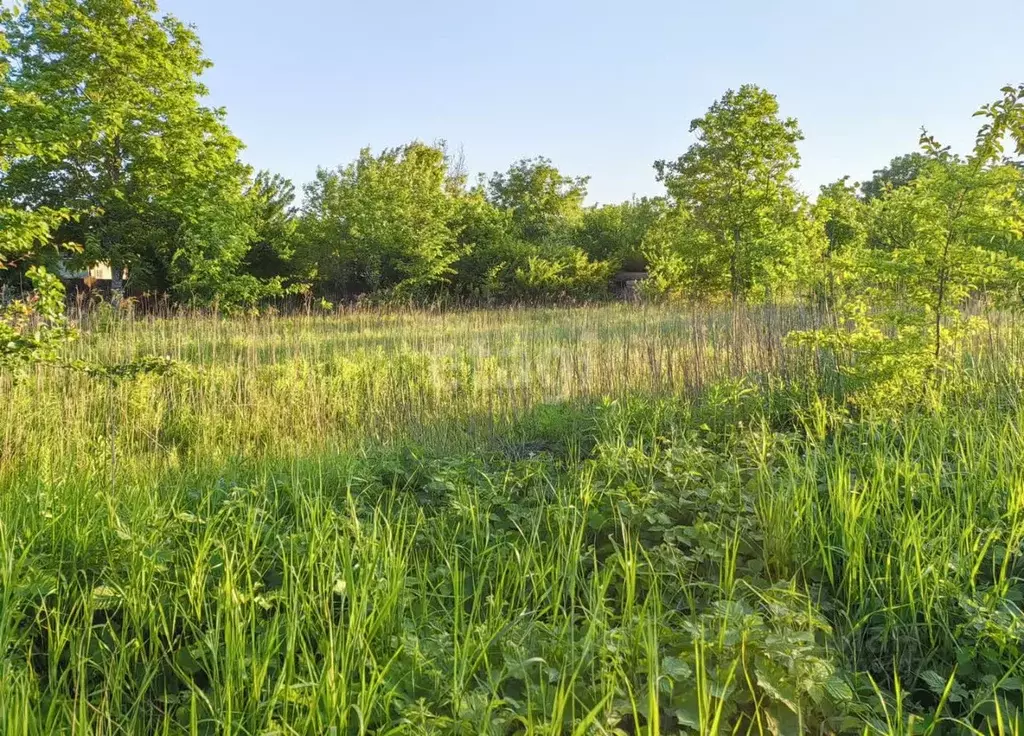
<point x="944" y="240"/>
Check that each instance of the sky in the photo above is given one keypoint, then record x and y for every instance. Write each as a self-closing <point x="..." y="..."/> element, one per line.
<point x="602" y="88"/>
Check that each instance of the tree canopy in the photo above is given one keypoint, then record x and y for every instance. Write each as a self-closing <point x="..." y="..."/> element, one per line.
<point x="544" y="202"/>
<point x="109" y="151"/>
<point x="153" y="172"/>
<point x="899" y="172"/>
<point x="383" y="223"/>
<point x="736" y="187"/>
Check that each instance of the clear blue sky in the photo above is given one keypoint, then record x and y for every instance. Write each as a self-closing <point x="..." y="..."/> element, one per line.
<point x="602" y="88"/>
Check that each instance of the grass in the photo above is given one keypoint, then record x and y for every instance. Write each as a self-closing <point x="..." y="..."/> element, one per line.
<point x="594" y="521"/>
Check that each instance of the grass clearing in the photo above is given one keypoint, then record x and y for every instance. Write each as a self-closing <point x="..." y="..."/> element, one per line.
<point x="601" y="520"/>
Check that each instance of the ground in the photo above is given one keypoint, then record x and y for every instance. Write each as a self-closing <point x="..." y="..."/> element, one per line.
<point x="604" y="520"/>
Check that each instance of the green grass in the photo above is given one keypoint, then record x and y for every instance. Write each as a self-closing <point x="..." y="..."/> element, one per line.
<point x="592" y="521"/>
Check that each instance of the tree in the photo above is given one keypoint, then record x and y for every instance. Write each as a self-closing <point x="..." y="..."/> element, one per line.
<point x="33" y="326"/>
<point x="899" y="173"/>
<point x="735" y="182"/>
<point x="616" y="232"/>
<point x="271" y="203"/>
<point x="958" y="221"/>
<point x="383" y="224"/>
<point x="683" y="261"/>
<point x="545" y="204"/>
<point x="145" y="162"/>
<point x="949" y="235"/>
<point x="842" y="219"/>
<point x="490" y="250"/>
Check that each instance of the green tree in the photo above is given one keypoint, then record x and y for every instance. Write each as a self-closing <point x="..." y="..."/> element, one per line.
<point x="32" y="326"/>
<point x="490" y="250"/>
<point x="383" y="224"/>
<point x="144" y="161"/>
<point x="271" y="203"/>
<point x="545" y="204"/>
<point x="735" y="182"/>
<point x="616" y="232"/>
<point x="683" y="262"/>
<point x="950" y="234"/>
<point x="899" y="173"/>
<point x="842" y="219"/>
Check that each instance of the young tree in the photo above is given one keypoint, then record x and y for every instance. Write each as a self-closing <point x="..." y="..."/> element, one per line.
<point x="545" y="204"/>
<point x="143" y="160"/>
<point x="945" y="237"/>
<point x="735" y="182"/>
<point x="383" y="224"/>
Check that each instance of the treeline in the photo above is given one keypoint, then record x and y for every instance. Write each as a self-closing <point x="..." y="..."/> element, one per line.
<point x="107" y="153"/>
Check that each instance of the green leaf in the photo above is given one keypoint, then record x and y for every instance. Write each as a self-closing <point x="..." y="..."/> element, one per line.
<point x="935" y="681"/>
<point x="676" y="668"/>
<point x="836" y="687"/>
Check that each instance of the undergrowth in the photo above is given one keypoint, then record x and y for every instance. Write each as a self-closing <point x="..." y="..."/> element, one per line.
<point x="750" y="557"/>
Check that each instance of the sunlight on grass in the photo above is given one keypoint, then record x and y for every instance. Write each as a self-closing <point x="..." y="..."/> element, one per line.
<point x="603" y="520"/>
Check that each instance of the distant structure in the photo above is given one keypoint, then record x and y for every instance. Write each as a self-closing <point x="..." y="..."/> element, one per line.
<point x="626" y="284"/>
<point x="93" y="277"/>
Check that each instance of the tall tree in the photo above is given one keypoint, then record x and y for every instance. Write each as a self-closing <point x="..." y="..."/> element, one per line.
<point x="31" y="327"/>
<point x="735" y="182"/>
<point x="383" y="223"/>
<point x="144" y="160"/>
<point x="545" y="203"/>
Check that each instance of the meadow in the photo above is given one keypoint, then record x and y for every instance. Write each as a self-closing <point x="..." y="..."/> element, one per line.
<point x="600" y="520"/>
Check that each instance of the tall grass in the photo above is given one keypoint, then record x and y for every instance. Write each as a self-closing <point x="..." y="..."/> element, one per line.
<point x="602" y="520"/>
<point x="314" y="384"/>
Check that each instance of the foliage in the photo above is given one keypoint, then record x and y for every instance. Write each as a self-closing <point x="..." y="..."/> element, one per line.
<point x="843" y="220"/>
<point x="33" y="327"/>
<point x="900" y="172"/>
<point x="562" y="276"/>
<point x="616" y="232"/>
<point x="141" y="158"/>
<point x="490" y="252"/>
<point x="944" y="238"/>
<point x="735" y="183"/>
<point x="683" y="262"/>
<point x="272" y="212"/>
<point x="109" y="152"/>
<point x="383" y="224"/>
<point x="545" y="204"/>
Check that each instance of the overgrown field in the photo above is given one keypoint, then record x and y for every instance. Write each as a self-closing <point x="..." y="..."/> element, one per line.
<point x="595" y="521"/>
